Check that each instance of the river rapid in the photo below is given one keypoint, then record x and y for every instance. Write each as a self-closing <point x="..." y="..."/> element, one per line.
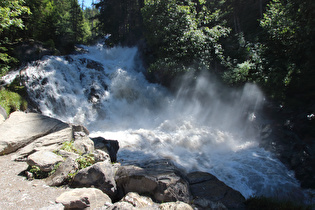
<point x="202" y="126"/>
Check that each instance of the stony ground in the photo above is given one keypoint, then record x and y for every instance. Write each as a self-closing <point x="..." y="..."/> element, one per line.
<point x="16" y="192"/>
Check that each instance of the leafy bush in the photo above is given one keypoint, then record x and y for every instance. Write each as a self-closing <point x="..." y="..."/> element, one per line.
<point x="182" y="34"/>
<point x="85" y="161"/>
<point x="68" y="146"/>
<point x="12" y="101"/>
<point x="37" y="173"/>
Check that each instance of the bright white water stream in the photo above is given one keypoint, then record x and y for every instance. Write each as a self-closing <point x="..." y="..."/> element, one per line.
<point x="203" y="127"/>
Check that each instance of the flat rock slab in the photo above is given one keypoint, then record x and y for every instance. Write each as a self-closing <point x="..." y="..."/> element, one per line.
<point x="82" y="198"/>
<point x="23" y="128"/>
<point x="51" y="142"/>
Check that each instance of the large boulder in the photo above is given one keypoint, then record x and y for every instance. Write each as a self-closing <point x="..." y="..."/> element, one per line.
<point x="207" y="187"/>
<point x="52" y="142"/>
<point x="69" y="166"/>
<point x="23" y="128"/>
<point x="109" y="146"/>
<point x="91" y="64"/>
<point x="100" y="175"/>
<point x="44" y="160"/>
<point x="82" y="198"/>
<point x="159" y="179"/>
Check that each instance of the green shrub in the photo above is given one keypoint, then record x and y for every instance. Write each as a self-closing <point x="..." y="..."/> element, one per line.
<point x="85" y="161"/>
<point x="37" y="173"/>
<point x="12" y="101"/>
<point x="68" y="146"/>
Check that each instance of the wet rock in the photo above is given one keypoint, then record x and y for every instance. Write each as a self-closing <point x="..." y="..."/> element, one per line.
<point x="94" y="95"/>
<point x="45" y="160"/>
<point x="206" y="186"/>
<point x="68" y="58"/>
<point x="109" y="146"/>
<point x="91" y="64"/>
<point x="159" y="179"/>
<point x="100" y="175"/>
<point x="44" y="81"/>
<point x="83" y="198"/>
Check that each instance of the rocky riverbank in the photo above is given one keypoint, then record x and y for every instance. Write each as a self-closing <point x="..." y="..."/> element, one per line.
<point x="84" y="169"/>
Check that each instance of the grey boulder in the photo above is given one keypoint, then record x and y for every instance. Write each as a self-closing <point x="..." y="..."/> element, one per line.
<point x="82" y="198"/>
<point x="21" y="128"/>
<point x="159" y="179"/>
<point x="45" y="160"/>
<point x="207" y="187"/>
<point x="100" y="175"/>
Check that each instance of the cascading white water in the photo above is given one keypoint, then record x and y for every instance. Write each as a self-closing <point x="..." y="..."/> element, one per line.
<point x="205" y="126"/>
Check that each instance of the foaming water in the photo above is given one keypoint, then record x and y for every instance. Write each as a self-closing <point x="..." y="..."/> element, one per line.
<point x="203" y="126"/>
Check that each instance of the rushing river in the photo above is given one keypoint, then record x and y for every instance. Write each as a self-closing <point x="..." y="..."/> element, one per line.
<point x="203" y="126"/>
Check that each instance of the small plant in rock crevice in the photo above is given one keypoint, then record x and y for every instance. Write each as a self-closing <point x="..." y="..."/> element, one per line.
<point x="69" y="147"/>
<point x="37" y="173"/>
<point x="85" y="161"/>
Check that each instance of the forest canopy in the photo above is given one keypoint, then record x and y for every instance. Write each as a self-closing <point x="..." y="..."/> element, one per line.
<point x="58" y="24"/>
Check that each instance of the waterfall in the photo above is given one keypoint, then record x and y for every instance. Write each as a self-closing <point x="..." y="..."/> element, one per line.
<point x="202" y="126"/>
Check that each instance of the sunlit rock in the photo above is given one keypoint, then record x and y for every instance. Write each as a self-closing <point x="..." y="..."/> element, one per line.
<point x="160" y="179"/>
<point x="22" y="129"/>
<point x="100" y="175"/>
<point x="83" y="198"/>
<point x="45" y="160"/>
